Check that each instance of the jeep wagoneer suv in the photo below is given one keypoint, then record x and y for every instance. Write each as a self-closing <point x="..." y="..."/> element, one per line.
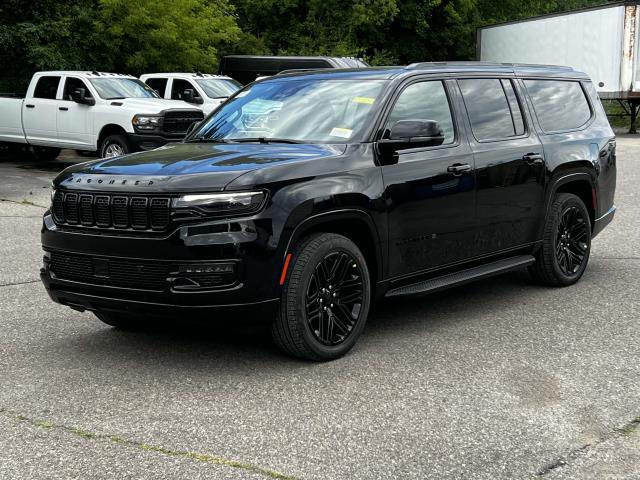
<point x="306" y="196"/>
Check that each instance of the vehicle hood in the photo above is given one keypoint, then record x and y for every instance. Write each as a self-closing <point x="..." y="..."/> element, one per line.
<point x="189" y="166"/>
<point x="150" y="105"/>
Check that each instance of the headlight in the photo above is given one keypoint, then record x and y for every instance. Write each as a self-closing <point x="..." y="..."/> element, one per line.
<point x="146" y="122"/>
<point x="240" y="202"/>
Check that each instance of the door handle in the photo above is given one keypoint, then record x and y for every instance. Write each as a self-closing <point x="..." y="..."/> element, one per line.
<point x="64" y="109"/>
<point x="459" y="168"/>
<point x="28" y="105"/>
<point x="533" y="159"/>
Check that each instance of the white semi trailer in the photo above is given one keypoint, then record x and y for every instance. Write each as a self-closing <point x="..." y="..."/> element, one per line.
<point x="601" y="41"/>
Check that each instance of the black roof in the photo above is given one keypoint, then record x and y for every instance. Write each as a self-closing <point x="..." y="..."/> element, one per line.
<point x="480" y="68"/>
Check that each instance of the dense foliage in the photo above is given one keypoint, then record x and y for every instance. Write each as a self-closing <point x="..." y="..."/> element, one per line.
<point x="161" y="35"/>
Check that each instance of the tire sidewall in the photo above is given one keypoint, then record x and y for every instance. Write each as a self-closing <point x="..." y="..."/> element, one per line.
<point x="338" y="244"/>
<point x="114" y="139"/>
<point x="570" y="201"/>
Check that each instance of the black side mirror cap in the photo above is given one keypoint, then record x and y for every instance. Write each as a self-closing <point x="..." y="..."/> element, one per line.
<point x="189" y="95"/>
<point x="406" y="134"/>
<point x="79" y="95"/>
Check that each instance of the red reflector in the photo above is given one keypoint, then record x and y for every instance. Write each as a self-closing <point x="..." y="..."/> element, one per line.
<point x="285" y="267"/>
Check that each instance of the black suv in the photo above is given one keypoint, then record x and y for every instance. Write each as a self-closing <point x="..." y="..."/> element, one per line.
<point x="309" y="195"/>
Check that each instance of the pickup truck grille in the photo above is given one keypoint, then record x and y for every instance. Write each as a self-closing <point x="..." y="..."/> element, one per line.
<point x="178" y="121"/>
<point x="119" y="212"/>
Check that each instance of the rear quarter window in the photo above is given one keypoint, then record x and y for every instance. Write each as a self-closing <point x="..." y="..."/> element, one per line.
<point x="560" y="105"/>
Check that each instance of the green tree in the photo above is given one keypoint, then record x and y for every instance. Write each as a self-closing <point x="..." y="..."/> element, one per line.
<point x="154" y="35"/>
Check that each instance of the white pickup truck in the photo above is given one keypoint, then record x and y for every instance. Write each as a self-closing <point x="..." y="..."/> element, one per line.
<point x="200" y="89"/>
<point x="93" y="111"/>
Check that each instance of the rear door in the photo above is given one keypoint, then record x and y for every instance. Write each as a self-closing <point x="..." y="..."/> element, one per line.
<point x="39" y="111"/>
<point x="75" y="120"/>
<point x="510" y="166"/>
<point x="429" y="192"/>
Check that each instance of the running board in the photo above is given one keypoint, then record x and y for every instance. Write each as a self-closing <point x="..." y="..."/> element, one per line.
<point x="464" y="276"/>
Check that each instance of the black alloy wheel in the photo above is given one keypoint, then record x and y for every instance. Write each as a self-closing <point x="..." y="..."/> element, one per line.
<point x="571" y="240"/>
<point x="334" y="298"/>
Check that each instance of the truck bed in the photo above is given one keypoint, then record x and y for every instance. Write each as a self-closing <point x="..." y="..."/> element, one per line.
<point x="11" y="120"/>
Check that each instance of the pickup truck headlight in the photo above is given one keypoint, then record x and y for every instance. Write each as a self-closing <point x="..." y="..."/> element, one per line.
<point x="146" y="122"/>
<point x="222" y="203"/>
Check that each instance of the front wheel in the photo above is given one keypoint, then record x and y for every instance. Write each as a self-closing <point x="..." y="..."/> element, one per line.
<point x="325" y="299"/>
<point x="566" y="243"/>
<point x="114" y="146"/>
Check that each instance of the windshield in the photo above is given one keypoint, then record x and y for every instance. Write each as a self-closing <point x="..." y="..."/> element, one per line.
<point x="305" y="110"/>
<point x="112" y="88"/>
<point x="220" y="87"/>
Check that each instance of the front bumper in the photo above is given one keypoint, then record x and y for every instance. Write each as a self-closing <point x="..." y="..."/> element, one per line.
<point x="95" y="275"/>
<point x="140" y="141"/>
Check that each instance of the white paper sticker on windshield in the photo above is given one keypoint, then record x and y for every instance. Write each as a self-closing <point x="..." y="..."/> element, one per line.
<point x="341" y="132"/>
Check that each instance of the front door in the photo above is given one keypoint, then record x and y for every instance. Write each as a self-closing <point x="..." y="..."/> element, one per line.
<point x="510" y="167"/>
<point x="430" y="191"/>
<point x="74" y="120"/>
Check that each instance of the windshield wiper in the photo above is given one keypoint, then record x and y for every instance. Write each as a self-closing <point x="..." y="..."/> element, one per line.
<point x="207" y="140"/>
<point x="262" y="140"/>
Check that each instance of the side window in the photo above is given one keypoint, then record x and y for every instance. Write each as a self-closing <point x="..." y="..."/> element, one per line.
<point x="559" y="104"/>
<point x="70" y="85"/>
<point x="179" y="86"/>
<point x="424" y="101"/>
<point x="493" y="115"/>
<point x="158" y="84"/>
<point x="47" y="87"/>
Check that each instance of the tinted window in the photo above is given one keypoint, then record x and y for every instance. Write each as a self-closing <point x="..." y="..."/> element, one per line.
<point x="178" y="88"/>
<point x="158" y="84"/>
<point x="47" y="87"/>
<point x="489" y="109"/>
<point x="70" y="85"/>
<point x="424" y="101"/>
<point x="559" y="105"/>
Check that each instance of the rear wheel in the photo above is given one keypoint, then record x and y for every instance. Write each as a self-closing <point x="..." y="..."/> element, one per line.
<point x="325" y="300"/>
<point x="566" y="243"/>
<point x="114" y="146"/>
<point x="45" y="154"/>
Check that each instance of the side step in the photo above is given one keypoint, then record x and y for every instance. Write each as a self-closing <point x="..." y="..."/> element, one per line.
<point x="464" y="276"/>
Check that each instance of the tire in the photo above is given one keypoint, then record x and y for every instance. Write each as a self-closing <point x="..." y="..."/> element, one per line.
<point x="114" y="146"/>
<point x="45" y="154"/>
<point x="120" y="321"/>
<point x="322" y="327"/>
<point x="566" y="243"/>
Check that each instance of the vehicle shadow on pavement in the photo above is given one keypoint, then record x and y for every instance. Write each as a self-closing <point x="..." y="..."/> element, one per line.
<point x="197" y="345"/>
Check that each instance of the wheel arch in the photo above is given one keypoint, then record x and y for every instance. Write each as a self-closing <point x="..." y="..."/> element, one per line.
<point x="580" y="183"/>
<point x="356" y="225"/>
<point x="109" y="129"/>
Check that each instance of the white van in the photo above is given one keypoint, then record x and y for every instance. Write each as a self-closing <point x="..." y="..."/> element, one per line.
<point x="199" y="89"/>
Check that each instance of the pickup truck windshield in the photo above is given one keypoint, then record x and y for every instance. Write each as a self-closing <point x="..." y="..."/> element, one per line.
<point x="305" y="110"/>
<point x="112" y="88"/>
<point x="219" y="88"/>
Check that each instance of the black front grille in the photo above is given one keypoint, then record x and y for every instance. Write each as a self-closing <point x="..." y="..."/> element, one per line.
<point x="118" y="212"/>
<point x="139" y="274"/>
<point x="179" y="121"/>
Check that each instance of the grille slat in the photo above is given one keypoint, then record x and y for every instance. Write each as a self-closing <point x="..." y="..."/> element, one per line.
<point x="179" y="121"/>
<point x="118" y="212"/>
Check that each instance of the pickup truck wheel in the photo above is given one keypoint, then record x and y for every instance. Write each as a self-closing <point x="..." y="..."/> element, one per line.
<point x="325" y="299"/>
<point x="114" y="146"/>
<point x="46" y="154"/>
<point x="566" y="243"/>
<point x="119" y="320"/>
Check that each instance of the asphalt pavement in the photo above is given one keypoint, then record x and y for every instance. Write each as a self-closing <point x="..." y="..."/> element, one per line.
<point x="499" y="379"/>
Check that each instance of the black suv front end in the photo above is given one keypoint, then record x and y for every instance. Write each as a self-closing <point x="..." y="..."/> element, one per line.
<point x="153" y="131"/>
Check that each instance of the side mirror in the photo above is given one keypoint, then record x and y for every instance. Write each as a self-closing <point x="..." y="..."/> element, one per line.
<point x="189" y="95"/>
<point x="407" y="134"/>
<point x="79" y="96"/>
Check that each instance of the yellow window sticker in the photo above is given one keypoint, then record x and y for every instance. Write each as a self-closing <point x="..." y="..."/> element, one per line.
<point x="367" y="100"/>
<point x="341" y="132"/>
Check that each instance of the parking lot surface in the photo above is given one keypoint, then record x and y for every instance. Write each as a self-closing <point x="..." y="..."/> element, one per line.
<point x="497" y="379"/>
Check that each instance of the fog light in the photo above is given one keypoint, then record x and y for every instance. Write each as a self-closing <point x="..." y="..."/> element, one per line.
<point x="200" y="268"/>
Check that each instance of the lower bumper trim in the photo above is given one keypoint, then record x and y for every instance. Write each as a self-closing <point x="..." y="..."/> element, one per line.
<point x="603" y="221"/>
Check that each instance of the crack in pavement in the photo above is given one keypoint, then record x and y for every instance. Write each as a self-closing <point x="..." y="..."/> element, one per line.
<point x="627" y="429"/>
<point x="11" y="284"/>
<point x="23" y="202"/>
<point x="147" y="447"/>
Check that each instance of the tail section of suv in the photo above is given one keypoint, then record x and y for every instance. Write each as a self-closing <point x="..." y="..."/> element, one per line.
<point x="308" y="196"/>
